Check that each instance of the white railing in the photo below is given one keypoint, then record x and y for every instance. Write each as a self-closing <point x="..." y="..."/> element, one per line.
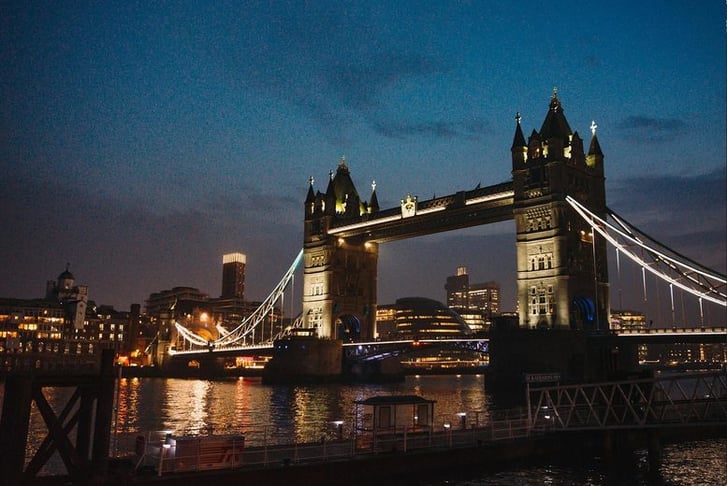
<point x="166" y="453"/>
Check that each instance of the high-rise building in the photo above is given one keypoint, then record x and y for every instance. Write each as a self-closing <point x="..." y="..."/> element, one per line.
<point x="476" y="303"/>
<point x="485" y="297"/>
<point x="456" y="287"/>
<point x="233" y="276"/>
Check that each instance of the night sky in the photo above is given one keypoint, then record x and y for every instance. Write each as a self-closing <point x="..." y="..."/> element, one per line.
<point x="140" y="141"/>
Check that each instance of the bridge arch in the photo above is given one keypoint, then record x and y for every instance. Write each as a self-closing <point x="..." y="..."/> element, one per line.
<point x="348" y="328"/>
<point x="583" y="313"/>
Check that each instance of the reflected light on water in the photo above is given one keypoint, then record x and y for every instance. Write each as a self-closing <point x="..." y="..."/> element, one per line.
<point x="278" y="413"/>
<point x="186" y="406"/>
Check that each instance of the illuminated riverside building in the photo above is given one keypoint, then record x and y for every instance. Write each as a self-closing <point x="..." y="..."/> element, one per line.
<point x="631" y="320"/>
<point x="65" y="322"/>
<point x="475" y="303"/>
<point x="385" y="321"/>
<point x="667" y="354"/>
<point x="422" y="318"/>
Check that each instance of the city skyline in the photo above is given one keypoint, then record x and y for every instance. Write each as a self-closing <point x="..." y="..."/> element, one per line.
<point x="143" y="142"/>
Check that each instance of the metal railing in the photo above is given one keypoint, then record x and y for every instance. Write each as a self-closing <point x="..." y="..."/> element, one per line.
<point x="688" y="399"/>
<point x="165" y="453"/>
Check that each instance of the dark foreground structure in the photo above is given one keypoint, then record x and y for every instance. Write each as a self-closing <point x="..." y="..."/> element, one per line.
<point x="395" y="444"/>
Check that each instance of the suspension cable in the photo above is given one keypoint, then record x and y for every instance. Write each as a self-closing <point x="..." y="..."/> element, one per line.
<point x="706" y="293"/>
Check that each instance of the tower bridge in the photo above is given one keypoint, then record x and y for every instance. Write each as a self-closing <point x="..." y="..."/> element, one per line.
<point x="561" y="274"/>
<point x="557" y="200"/>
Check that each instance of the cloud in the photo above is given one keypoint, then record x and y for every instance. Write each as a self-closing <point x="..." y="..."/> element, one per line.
<point x="649" y="129"/>
<point x="439" y="129"/>
<point x="359" y="82"/>
<point x="329" y="61"/>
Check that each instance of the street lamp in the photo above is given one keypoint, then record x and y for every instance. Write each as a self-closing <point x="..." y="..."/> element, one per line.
<point x="339" y="428"/>
<point x="462" y="419"/>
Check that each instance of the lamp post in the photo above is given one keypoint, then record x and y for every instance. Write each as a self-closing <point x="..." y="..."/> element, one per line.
<point x="595" y="275"/>
<point x="462" y="420"/>
<point x="339" y="428"/>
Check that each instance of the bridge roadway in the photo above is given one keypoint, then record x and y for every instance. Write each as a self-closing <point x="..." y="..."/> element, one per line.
<point x="380" y="349"/>
<point x="695" y="335"/>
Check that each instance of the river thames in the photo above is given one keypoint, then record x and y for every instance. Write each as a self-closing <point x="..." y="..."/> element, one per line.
<point x="286" y="413"/>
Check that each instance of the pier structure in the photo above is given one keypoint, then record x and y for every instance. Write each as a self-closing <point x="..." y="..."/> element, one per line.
<point x="80" y="432"/>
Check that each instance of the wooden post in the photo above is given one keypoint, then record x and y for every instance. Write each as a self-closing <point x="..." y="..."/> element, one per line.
<point x="85" y="420"/>
<point x="104" y="414"/>
<point x="14" y="426"/>
<point x="655" y="450"/>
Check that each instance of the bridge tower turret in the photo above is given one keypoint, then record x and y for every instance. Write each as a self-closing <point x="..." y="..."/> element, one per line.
<point x="562" y="273"/>
<point x="339" y="281"/>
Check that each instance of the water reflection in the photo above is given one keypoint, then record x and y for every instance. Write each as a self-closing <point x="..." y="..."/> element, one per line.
<point x="278" y="413"/>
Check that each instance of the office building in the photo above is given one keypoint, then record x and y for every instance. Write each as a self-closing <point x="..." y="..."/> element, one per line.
<point x="475" y="303"/>
<point x="233" y="276"/>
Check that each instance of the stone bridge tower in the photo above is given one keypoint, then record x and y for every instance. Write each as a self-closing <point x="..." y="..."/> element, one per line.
<point x="339" y="281"/>
<point x="562" y="273"/>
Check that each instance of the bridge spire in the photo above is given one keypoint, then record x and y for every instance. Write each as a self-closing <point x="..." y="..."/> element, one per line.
<point x="519" y="148"/>
<point x="595" y="155"/>
<point x="374" y="206"/>
<point x="311" y="196"/>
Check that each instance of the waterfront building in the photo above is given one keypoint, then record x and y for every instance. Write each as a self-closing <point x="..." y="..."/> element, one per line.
<point x="29" y="325"/>
<point x="631" y="320"/>
<point x="423" y="318"/>
<point x="74" y="298"/>
<point x="385" y="321"/>
<point x="673" y="354"/>
<point x="64" y="322"/>
<point x="477" y="303"/>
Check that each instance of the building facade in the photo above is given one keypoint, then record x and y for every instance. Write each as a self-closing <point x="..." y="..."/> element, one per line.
<point x="63" y="324"/>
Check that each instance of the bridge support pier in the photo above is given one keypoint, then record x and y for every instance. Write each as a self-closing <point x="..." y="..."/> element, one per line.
<point x="386" y="370"/>
<point x="304" y="360"/>
<point x="569" y="356"/>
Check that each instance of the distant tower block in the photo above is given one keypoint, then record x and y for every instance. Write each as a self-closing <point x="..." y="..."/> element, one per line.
<point x="233" y="276"/>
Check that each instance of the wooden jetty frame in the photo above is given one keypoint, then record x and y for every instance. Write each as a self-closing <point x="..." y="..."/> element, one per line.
<point x="88" y="411"/>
